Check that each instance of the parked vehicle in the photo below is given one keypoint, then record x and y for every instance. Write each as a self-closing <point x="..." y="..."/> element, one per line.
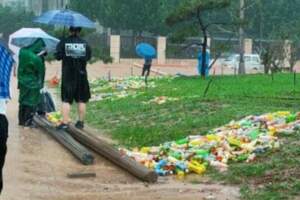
<point x="252" y="61"/>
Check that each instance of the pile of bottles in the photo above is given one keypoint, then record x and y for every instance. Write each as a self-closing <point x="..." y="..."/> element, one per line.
<point x="54" y="117"/>
<point x="118" y="88"/>
<point x="238" y="141"/>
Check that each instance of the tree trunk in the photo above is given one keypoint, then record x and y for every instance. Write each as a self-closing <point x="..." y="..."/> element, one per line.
<point x="261" y="26"/>
<point x="204" y="48"/>
<point x="242" y="38"/>
<point x="267" y="69"/>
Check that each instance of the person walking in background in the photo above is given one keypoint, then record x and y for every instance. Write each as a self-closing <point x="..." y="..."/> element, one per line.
<point x="74" y="53"/>
<point x="31" y="75"/>
<point x="6" y="64"/>
<point x="147" y="67"/>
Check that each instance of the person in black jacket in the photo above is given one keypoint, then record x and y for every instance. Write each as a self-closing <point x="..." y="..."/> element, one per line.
<point x="74" y="53"/>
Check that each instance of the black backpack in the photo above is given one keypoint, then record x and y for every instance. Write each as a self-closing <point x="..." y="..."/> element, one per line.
<point x="47" y="104"/>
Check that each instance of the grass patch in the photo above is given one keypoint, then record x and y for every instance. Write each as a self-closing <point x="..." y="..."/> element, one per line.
<point x="133" y="122"/>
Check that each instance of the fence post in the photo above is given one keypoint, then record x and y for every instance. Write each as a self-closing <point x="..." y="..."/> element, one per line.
<point x="115" y="45"/>
<point x="209" y="42"/>
<point x="287" y="53"/>
<point x="161" y="50"/>
<point x="248" y="46"/>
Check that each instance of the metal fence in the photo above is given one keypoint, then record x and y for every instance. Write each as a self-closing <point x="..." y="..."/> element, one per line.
<point x="186" y="50"/>
<point x="224" y="46"/>
<point x="100" y="43"/>
<point x="191" y="48"/>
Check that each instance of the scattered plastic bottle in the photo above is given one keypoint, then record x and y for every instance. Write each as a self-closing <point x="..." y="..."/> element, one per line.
<point x="202" y="153"/>
<point x="234" y="142"/>
<point x="176" y="155"/>
<point x="260" y="150"/>
<point x="291" y="118"/>
<point x="161" y="172"/>
<point x="196" y="167"/>
<point x="145" y="150"/>
<point x="181" y="166"/>
<point x="172" y="159"/>
<point x="180" y="175"/>
<point x="254" y="134"/>
<point x="182" y="141"/>
<point x="213" y="137"/>
<point x="242" y="157"/>
<point x="161" y="164"/>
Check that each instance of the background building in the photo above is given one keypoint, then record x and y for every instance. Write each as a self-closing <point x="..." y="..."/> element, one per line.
<point x="13" y="3"/>
<point x="39" y="6"/>
<point x="36" y="6"/>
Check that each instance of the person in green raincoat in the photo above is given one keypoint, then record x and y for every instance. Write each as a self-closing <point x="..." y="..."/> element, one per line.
<point x="31" y="74"/>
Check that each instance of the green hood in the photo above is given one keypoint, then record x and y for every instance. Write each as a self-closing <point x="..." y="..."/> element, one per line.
<point x="37" y="46"/>
<point x="31" y="73"/>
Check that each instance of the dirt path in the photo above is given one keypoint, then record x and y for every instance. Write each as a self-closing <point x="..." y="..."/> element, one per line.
<point x="37" y="167"/>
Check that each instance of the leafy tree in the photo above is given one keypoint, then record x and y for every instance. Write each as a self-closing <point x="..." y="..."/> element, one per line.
<point x="275" y="22"/>
<point x="12" y="20"/>
<point x="197" y="16"/>
<point x="135" y="15"/>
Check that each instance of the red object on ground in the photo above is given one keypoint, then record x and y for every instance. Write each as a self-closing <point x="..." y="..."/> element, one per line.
<point x="54" y="81"/>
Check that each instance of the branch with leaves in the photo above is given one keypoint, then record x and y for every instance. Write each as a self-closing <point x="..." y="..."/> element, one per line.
<point x="192" y="13"/>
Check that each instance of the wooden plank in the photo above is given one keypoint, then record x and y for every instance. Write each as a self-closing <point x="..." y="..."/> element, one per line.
<point x="82" y="175"/>
<point x="108" y="151"/>
<point x="79" y="151"/>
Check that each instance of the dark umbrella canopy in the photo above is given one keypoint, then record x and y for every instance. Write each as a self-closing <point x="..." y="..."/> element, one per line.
<point x="65" y="18"/>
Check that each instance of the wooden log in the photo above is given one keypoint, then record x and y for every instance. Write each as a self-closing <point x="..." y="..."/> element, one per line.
<point x="64" y="138"/>
<point x="108" y="151"/>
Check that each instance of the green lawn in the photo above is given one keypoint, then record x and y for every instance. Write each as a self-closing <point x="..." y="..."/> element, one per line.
<point x="134" y="122"/>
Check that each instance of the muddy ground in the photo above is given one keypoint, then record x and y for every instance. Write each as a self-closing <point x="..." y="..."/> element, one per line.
<point x="37" y="167"/>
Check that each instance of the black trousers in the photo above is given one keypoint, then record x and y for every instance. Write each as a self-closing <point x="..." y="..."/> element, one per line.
<point x="146" y="70"/>
<point x="3" y="147"/>
<point x="26" y="114"/>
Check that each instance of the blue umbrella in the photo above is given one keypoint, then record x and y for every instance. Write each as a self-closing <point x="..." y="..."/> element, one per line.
<point x="145" y="50"/>
<point x="65" y="18"/>
<point x="6" y="63"/>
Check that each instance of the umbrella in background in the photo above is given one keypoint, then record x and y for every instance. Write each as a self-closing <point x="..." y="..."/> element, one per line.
<point x="27" y="36"/>
<point x="65" y="17"/>
<point x="6" y="63"/>
<point x="145" y="50"/>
